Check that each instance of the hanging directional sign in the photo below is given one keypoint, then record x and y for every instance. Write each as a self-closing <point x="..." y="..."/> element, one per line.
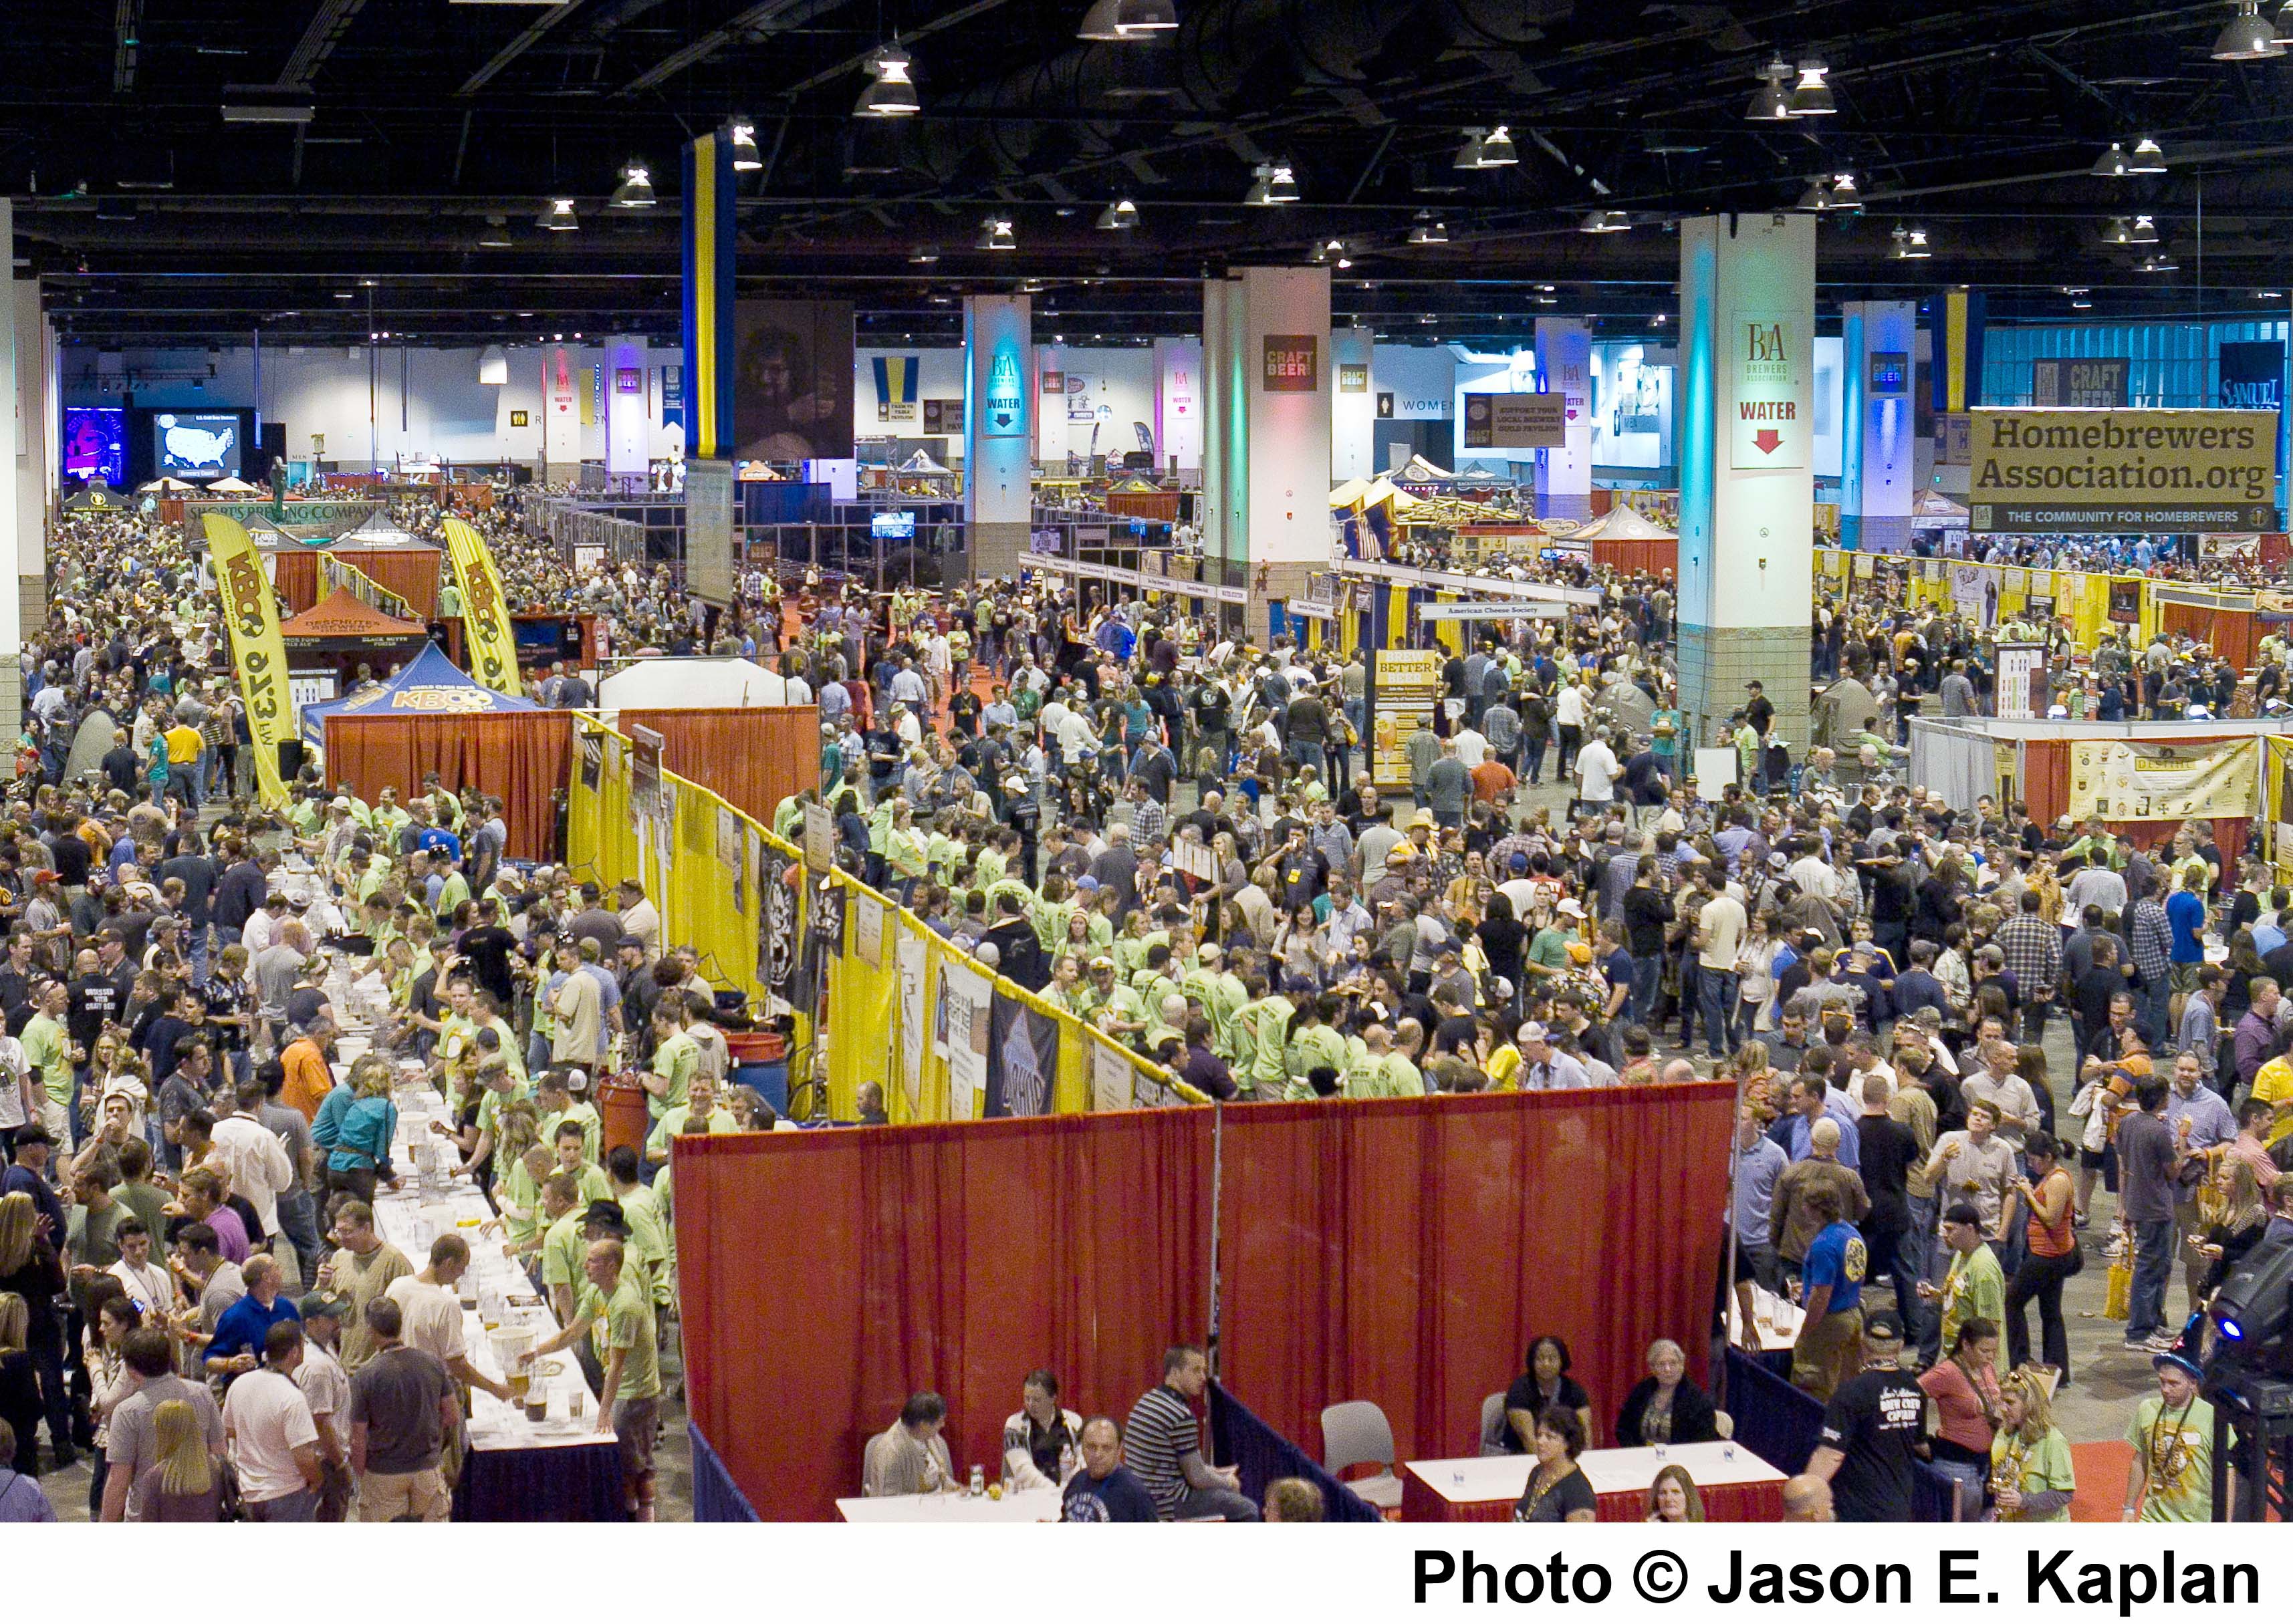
<point x="1006" y="413"/>
<point x="1770" y="411"/>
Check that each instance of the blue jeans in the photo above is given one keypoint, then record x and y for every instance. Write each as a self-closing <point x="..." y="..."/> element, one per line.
<point x="1647" y="973"/>
<point x="1716" y="996"/>
<point x="1535" y="744"/>
<point x="2154" y="1249"/>
<point x="1689" y="976"/>
<point x="298" y="1221"/>
<point x="2153" y="1009"/>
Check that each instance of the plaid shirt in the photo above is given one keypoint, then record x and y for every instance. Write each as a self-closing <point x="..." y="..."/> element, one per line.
<point x="2034" y="954"/>
<point x="1148" y="820"/>
<point x="2152" y="940"/>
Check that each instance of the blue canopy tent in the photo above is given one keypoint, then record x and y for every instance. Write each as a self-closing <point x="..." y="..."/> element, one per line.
<point x="430" y="685"/>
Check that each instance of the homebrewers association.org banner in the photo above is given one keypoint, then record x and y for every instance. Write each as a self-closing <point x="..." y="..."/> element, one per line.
<point x="251" y="615"/>
<point x="2121" y="470"/>
<point x="2116" y="780"/>
<point x="493" y="647"/>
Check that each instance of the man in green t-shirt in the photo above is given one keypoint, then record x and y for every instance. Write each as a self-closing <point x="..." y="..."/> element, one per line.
<point x="2172" y="1477"/>
<point x="616" y="1312"/>
<point x="676" y="1056"/>
<point x="561" y="1243"/>
<point x="48" y="1055"/>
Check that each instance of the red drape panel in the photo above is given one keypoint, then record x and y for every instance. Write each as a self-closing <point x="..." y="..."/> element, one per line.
<point x="2235" y="637"/>
<point x="1650" y="556"/>
<point x="1407" y="1252"/>
<point x="523" y="756"/>
<point x="954" y="1257"/>
<point x="1402" y="1251"/>
<point x="411" y="573"/>
<point x="295" y="574"/>
<point x="755" y="756"/>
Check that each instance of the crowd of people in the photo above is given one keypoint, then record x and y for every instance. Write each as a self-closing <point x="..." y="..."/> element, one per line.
<point x="1177" y="837"/>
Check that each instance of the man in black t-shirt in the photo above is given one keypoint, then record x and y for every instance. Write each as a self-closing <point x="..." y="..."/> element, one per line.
<point x="487" y="948"/>
<point x="1870" y="1428"/>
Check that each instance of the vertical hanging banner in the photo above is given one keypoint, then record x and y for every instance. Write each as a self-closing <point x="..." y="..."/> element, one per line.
<point x="259" y="652"/>
<point x="708" y="238"/>
<point x="493" y="648"/>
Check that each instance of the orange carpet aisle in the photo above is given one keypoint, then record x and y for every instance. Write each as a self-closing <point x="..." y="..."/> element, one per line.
<point x="2100" y="1469"/>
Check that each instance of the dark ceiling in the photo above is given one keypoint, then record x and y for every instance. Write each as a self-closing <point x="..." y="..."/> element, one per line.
<point x="151" y="221"/>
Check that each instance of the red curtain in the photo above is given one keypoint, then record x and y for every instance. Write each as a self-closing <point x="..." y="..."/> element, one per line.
<point x="526" y="757"/>
<point x="755" y="756"/>
<point x="294" y="571"/>
<point x="826" y="1276"/>
<point x="1402" y="1251"/>
<point x="411" y="572"/>
<point x="2235" y="637"/>
<point x="1406" y="1252"/>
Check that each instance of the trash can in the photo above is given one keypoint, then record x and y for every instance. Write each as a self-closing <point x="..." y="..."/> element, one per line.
<point x="622" y="1113"/>
<point x="759" y="1061"/>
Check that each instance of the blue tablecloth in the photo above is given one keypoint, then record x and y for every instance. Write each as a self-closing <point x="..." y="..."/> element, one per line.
<point x="573" y="1484"/>
<point x="1261" y="1454"/>
<point x="715" y="1497"/>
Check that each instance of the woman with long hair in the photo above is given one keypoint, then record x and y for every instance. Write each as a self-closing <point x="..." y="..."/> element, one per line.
<point x="1964" y="1388"/>
<point x="356" y="1125"/>
<point x="31" y="1271"/>
<point x="182" y="1483"/>
<point x="2244" y="1218"/>
<point x="110" y="1317"/>
<point x="2031" y="1476"/>
<point x="2050" y="1256"/>
<point x="1673" y="1497"/>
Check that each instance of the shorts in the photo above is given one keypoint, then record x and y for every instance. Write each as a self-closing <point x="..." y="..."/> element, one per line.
<point x="635" y="1423"/>
<point x="1828" y="1352"/>
<point x="409" y="1497"/>
<point x="2183" y="977"/>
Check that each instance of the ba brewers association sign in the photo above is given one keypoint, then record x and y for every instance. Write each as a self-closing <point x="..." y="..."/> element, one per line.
<point x="1770" y="426"/>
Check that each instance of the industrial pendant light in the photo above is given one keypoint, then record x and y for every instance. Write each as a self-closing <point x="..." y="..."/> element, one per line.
<point x="2149" y="159"/>
<point x="2247" y="39"/>
<point x="1119" y="216"/>
<point x="497" y="232"/>
<point x="1812" y="98"/>
<point x="2145" y="231"/>
<point x="2111" y="165"/>
<point x="995" y="235"/>
<point x="558" y="215"/>
<point x="1126" y="21"/>
<point x="891" y="93"/>
<point x="2115" y="235"/>
<point x="1427" y="233"/>
<point x="1275" y="185"/>
<point x="636" y="190"/>
<point x="1498" y="151"/>
<point x="1600" y="222"/>
<point x="1469" y="153"/>
<point x="741" y="137"/>
<point x="1771" y="103"/>
<point x="1911" y="243"/>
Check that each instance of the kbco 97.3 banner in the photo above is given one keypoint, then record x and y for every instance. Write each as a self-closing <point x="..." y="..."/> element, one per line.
<point x="2111" y="470"/>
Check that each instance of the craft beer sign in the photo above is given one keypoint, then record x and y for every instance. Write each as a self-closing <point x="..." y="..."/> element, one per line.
<point x="1770" y="410"/>
<point x="1291" y="363"/>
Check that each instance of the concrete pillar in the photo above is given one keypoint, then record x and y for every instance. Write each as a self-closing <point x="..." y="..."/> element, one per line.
<point x="1267" y="484"/>
<point x="39" y="473"/>
<point x="1179" y="403"/>
<point x="560" y="416"/>
<point x="998" y="438"/>
<point x="628" y="426"/>
<point x="1878" y="462"/>
<point x="1353" y="411"/>
<point x="1746" y="466"/>
<point x="21" y="511"/>
<point x="1564" y="473"/>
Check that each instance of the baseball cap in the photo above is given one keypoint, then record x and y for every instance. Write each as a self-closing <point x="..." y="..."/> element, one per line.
<point x="319" y="1304"/>
<point x="1534" y="1031"/>
<point x="1570" y="905"/>
<point x="1102" y="963"/>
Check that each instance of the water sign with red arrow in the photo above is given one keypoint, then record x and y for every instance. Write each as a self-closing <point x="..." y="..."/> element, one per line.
<point x="1768" y="439"/>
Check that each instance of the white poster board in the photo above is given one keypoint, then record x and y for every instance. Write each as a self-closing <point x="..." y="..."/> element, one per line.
<point x="1111" y="1077"/>
<point x="967" y="995"/>
<point x="1715" y="768"/>
<point x="915" y="1033"/>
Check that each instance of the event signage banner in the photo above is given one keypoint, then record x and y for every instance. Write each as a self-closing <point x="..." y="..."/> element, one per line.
<point x="965" y="999"/>
<point x="1408" y="687"/>
<point x="1494" y="422"/>
<point x="2021" y="681"/>
<point x="1769" y="417"/>
<point x="792" y="379"/>
<point x="2118" y="779"/>
<point x="2096" y="471"/>
<point x="1291" y="364"/>
<point x="2252" y="377"/>
<point x="493" y="647"/>
<point x="2098" y="381"/>
<point x="1023" y="1066"/>
<point x="250" y="613"/>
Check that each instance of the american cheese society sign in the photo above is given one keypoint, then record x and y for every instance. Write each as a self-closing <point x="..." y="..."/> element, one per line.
<point x="2121" y="470"/>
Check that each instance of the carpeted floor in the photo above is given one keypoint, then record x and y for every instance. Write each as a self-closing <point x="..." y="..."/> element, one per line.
<point x="2100" y="1469"/>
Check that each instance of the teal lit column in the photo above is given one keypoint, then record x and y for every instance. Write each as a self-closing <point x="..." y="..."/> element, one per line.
<point x="1877" y="471"/>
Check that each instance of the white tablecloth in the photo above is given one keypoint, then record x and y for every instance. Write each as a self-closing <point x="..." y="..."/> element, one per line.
<point x="1476" y="1477"/>
<point x="1027" y="1506"/>
<point x="409" y="1219"/>
<point x="1712" y="1466"/>
<point x="1782" y="1316"/>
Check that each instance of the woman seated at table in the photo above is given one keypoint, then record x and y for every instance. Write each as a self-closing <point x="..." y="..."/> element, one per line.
<point x="1557" y="1492"/>
<point x="1672" y="1498"/>
<point x="1964" y="1388"/>
<point x="1543" y="1384"/>
<point x="2032" y="1477"/>
<point x="1667" y="1407"/>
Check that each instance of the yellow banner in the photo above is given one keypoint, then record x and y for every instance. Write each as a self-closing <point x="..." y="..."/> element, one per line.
<point x="2119" y="780"/>
<point x="493" y="648"/>
<point x="250" y="613"/>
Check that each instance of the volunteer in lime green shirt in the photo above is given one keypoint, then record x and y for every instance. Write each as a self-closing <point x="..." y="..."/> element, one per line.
<point x="674" y="1059"/>
<point x="588" y="1177"/>
<point x="701" y="1103"/>
<point x="557" y="1105"/>
<point x="648" y="1241"/>
<point x="1315" y="1043"/>
<point x="47" y="1051"/>
<point x="562" y="1243"/>
<point x="518" y="1195"/>
<point x="1268" y="1019"/>
<point x="2029" y="1458"/>
<point x="616" y="1314"/>
<point x="2172" y="1477"/>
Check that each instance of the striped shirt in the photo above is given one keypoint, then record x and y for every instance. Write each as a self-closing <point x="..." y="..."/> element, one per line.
<point x="1162" y="1431"/>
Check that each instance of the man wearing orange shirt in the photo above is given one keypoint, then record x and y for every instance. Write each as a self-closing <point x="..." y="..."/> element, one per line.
<point x="309" y="1077"/>
<point x="1491" y="779"/>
